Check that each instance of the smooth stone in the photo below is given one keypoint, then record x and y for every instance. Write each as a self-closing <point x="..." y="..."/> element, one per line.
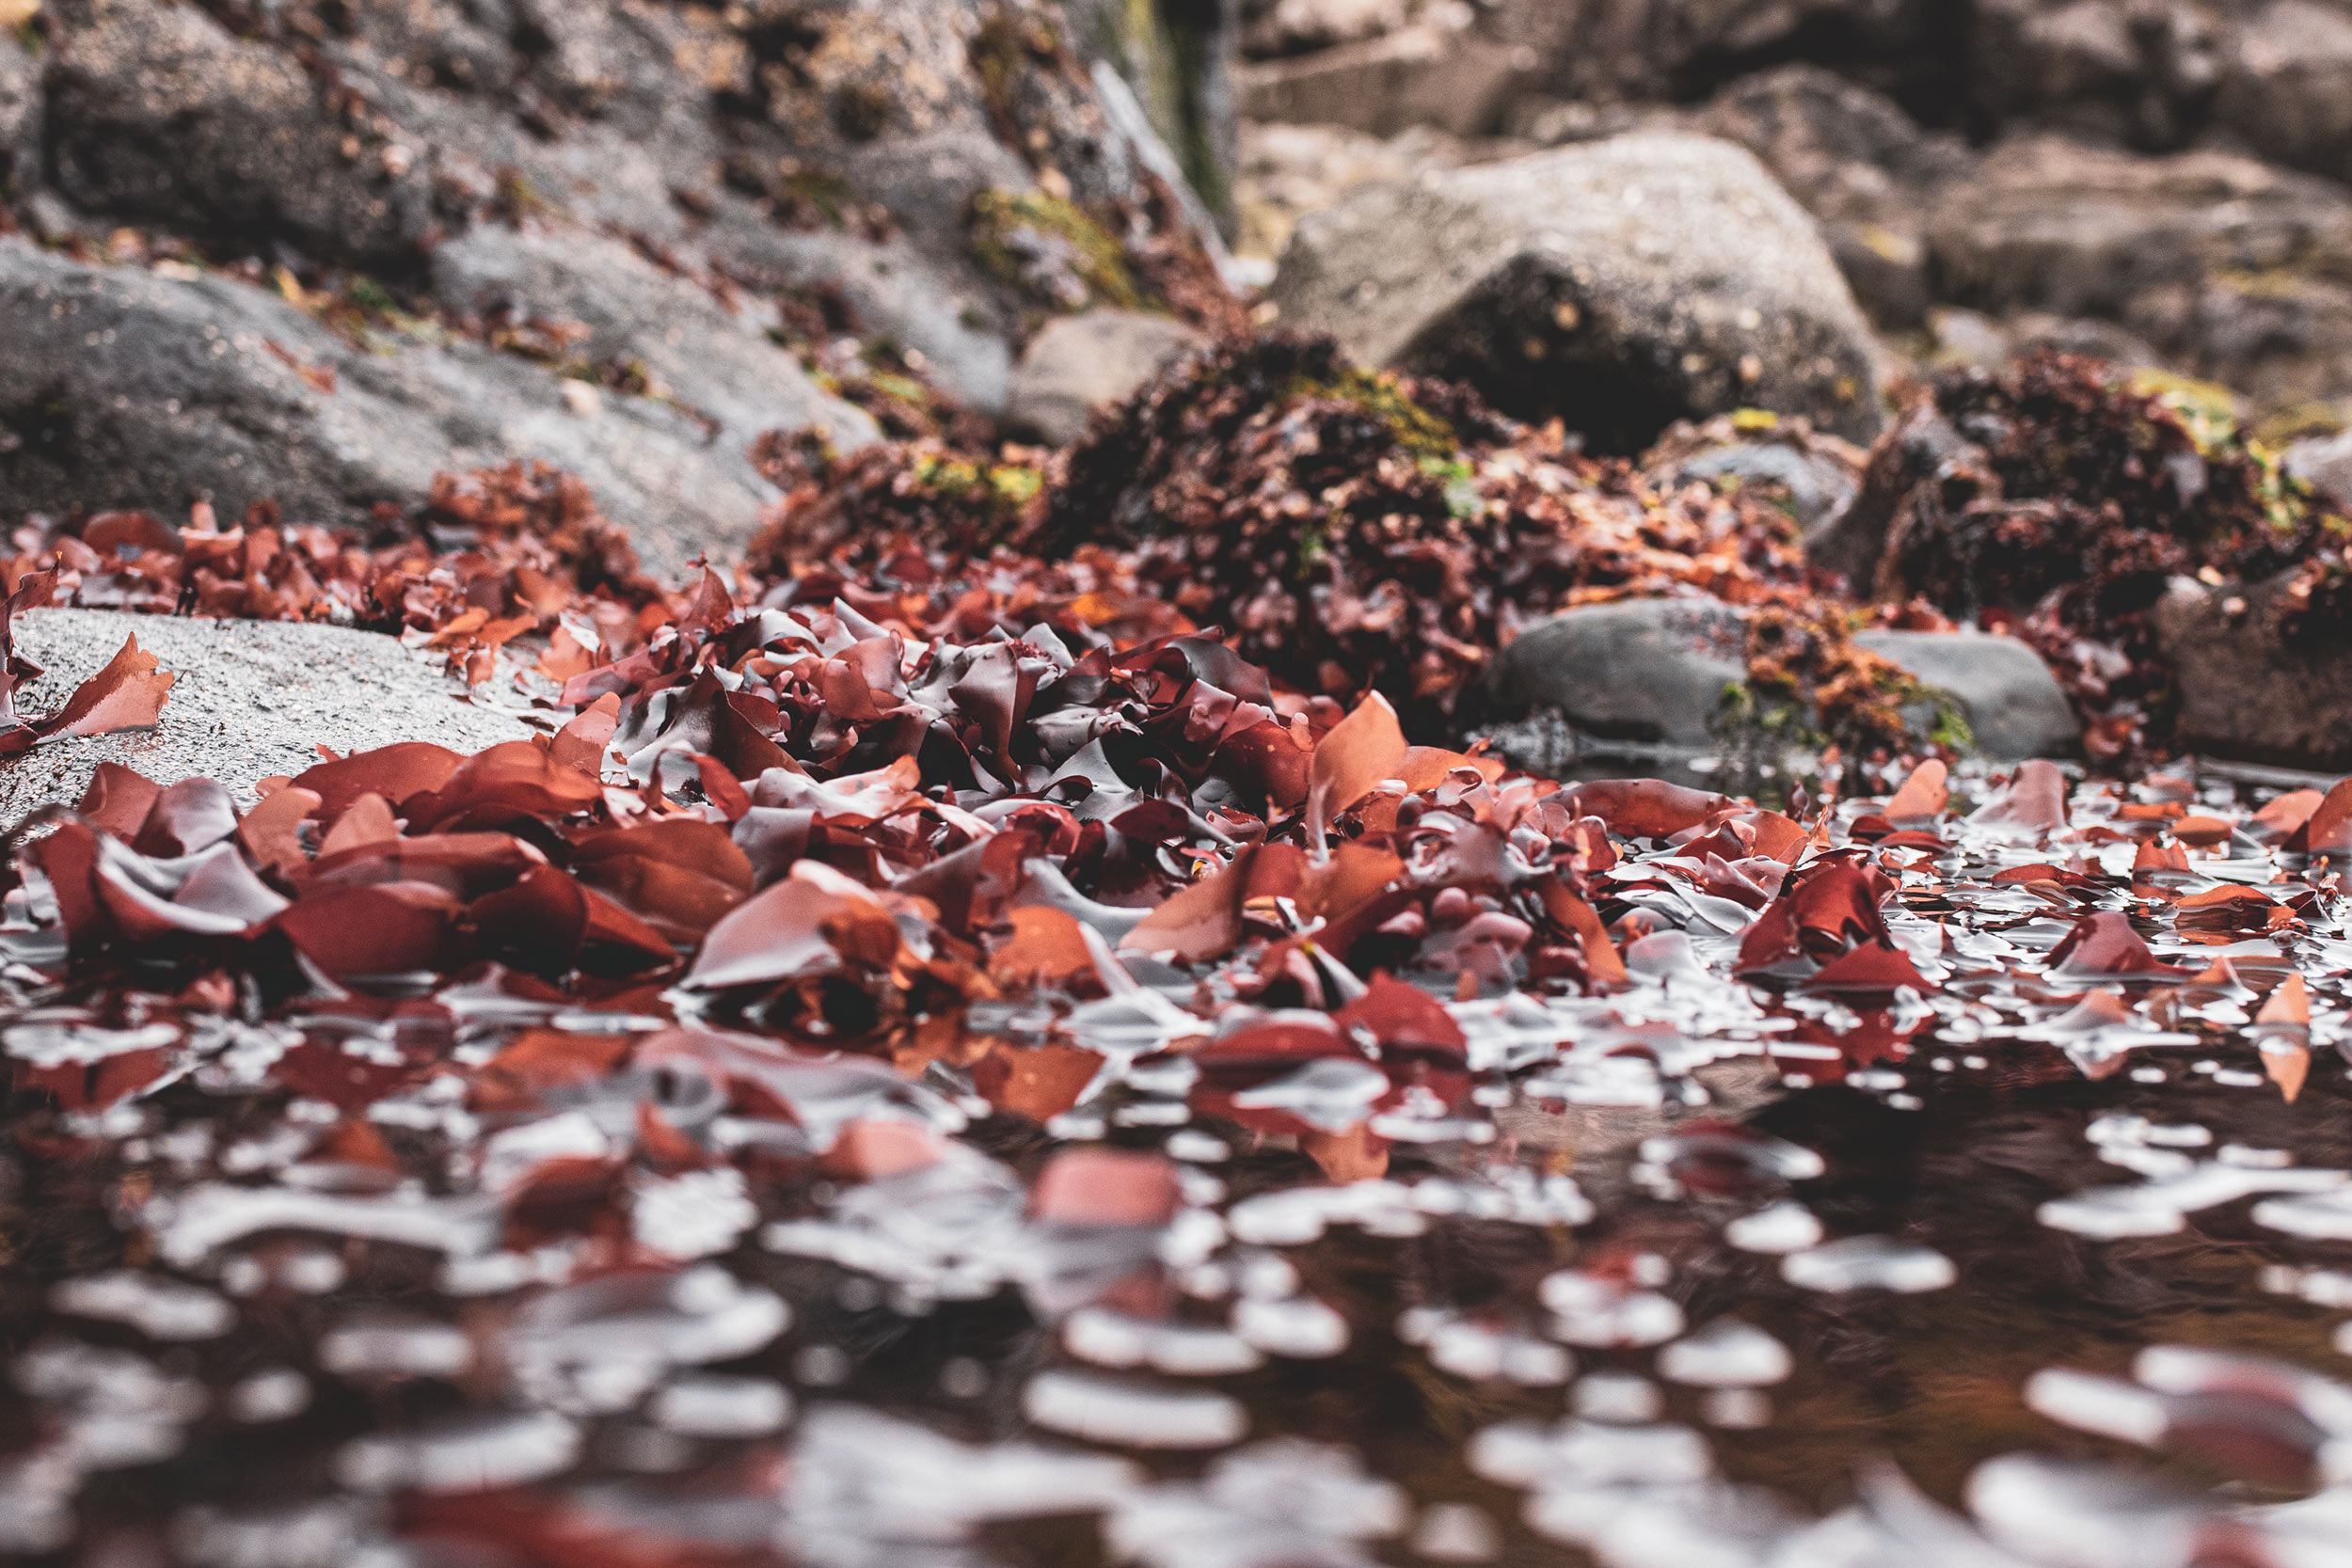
<point x="2014" y="705"/>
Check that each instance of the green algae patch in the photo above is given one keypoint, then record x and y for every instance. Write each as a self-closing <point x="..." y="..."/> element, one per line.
<point x="1050" y="250"/>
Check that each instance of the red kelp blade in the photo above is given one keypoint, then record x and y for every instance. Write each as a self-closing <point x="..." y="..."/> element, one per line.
<point x="2280" y="817"/>
<point x="2033" y="805"/>
<point x="1203" y="920"/>
<point x="2102" y="945"/>
<point x="1832" y="910"/>
<point x="395" y="772"/>
<point x="118" y="800"/>
<point x="1872" y="967"/>
<point x="1090" y="1187"/>
<point x="28" y="592"/>
<point x="1362" y="750"/>
<point x="815" y="922"/>
<point x="1922" y="796"/>
<point x="392" y="928"/>
<point x="2328" y="829"/>
<point x="1644" y="808"/>
<point x="2224" y="913"/>
<point x="1039" y="1082"/>
<point x="512" y="779"/>
<point x="128" y="694"/>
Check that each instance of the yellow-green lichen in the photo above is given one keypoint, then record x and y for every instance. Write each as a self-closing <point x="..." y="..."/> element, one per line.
<point x="1051" y="250"/>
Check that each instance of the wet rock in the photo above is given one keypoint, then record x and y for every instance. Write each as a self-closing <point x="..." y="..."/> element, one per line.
<point x="842" y="153"/>
<point x="1619" y="285"/>
<point x="2245" y="693"/>
<point x="254" y="699"/>
<point x="1655" y="671"/>
<point x="1649" y="670"/>
<point x="2013" y="703"/>
<point x="1814" y="477"/>
<point x="1079" y="364"/>
<point x="1437" y="74"/>
<point x="139" y="388"/>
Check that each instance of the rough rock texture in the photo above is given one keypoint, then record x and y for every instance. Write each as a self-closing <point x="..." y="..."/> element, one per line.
<point x="1620" y="285"/>
<point x="613" y="206"/>
<point x="136" y="388"/>
<point x="2244" y="694"/>
<point x="1859" y="164"/>
<point x="1652" y="671"/>
<point x="2230" y="268"/>
<point x="1079" y="364"/>
<point x="254" y="699"/>
<point x="2014" y="705"/>
<point x="625" y="317"/>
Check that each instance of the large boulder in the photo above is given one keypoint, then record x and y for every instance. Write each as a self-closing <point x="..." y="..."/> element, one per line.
<point x="1861" y="165"/>
<point x="2286" y="85"/>
<point x="621" y="237"/>
<point x="129" y="387"/>
<point x="253" y="700"/>
<point x="2246" y="693"/>
<point x="1619" y="285"/>
<point x="2230" y="269"/>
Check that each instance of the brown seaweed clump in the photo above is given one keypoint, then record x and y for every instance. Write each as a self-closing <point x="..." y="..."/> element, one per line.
<point x="1346" y="530"/>
<point x="2077" y="497"/>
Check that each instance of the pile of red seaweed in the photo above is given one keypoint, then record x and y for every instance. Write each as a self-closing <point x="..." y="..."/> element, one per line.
<point x="2071" y="499"/>
<point x="1346" y="530"/>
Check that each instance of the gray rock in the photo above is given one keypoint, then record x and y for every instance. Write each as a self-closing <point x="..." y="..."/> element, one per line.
<point x="20" y="104"/>
<point x="2286" y="85"/>
<point x="1654" y="671"/>
<point x="2013" y="703"/>
<point x="159" y="113"/>
<point x="1858" y="163"/>
<point x="254" y="699"/>
<point x="1649" y="670"/>
<point x="1619" y="285"/>
<point x="1426" y="74"/>
<point x="1819" y="487"/>
<point x="135" y="388"/>
<point x="636" y="319"/>
<point x="2324" y="463"/>
<point x="1079" y="364"/>
<point x="2227" y="268"/>
<point x="2245" y="694"/>
<point x="829" y="147"/>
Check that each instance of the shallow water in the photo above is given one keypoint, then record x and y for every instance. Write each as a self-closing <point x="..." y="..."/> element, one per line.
<point x="1703" y="1272"/>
